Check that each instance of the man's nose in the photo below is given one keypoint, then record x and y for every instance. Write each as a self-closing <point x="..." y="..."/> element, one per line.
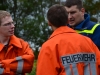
<point x="12" y="24"/>
<point x="69" y="15"/>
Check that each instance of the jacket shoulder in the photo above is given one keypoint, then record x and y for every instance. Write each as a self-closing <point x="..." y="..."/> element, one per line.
<point x="18" y="42"/>
<point x="89" y="24"/>
<point x="23" y="42"/>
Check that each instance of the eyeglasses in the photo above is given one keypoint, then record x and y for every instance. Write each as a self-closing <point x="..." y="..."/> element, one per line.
<point x="8" y="24"/>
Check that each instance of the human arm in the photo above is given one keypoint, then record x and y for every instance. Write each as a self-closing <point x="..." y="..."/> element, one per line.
<point x="96" y="37"/>
<point x="48" y="62"/>
<point x="97" y="53"/>
<point x="22" y="63"/>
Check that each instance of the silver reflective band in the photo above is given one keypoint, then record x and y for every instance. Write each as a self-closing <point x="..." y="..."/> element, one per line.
<point x="86" y="69"/>
<point x="20" y="64"/>
<point x="70" y="63"/>
<point x="68" y="70"/>
<point x="93" y="70"/>
<point x="75" y="70"/>
<point x="18" y="58"/>
<point x="1" y="70"/>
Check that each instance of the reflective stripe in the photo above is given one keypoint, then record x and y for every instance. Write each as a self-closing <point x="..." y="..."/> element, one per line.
<point x="75" y="70"/>
<point x="86" y="69"/>
<point x="68" y="70"/>
<point x="20" y="64"/>
<point x="18" y="58"/>
<point x="88" y="31"/>
<point x="70" y="63"/>
<point x="93" y="70"/>
<point x="1" y="70"/>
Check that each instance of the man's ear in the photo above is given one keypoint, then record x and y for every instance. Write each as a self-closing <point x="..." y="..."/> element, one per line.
<point x="83" y="11"/>
<point x="49" y="23"/>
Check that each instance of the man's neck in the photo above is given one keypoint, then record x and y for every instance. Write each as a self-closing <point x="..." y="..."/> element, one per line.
<point x="4" y="40"/>
<point x="53" y="28"/>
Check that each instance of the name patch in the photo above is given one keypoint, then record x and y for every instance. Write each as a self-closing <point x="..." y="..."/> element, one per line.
<point x="76" y="58"/>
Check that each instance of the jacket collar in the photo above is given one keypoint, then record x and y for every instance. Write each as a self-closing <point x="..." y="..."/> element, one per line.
<point x="15" y="41"/>
<point x="62" y="29"/>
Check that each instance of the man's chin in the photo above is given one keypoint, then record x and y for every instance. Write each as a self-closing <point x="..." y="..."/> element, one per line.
<point x="10" y="35"/>
<point x="72" y="25"/>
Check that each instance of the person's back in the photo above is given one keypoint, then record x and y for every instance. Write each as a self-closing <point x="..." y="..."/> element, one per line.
<point x="79" y="20"/>
<point x="66" y="52"/>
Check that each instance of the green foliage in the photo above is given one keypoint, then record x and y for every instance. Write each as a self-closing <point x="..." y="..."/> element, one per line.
<point x="33" y="72"/>
<point x="30" y="18"/>
<point x="3" y="5"/>
<point x="92" y="7"/>
<point x="31" y="22"/>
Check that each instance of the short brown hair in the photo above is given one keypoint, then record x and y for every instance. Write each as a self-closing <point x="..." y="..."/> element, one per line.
<point x="57" y="15"/>
<point x="70" y="3"/>
<point x="3" y="14"/>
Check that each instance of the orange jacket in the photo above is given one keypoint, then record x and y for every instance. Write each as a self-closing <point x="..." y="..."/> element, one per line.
<point x="18" y="59"/>
<point x="68" y="53"/>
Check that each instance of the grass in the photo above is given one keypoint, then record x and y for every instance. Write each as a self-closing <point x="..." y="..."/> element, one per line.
<point x="33" y="72"/>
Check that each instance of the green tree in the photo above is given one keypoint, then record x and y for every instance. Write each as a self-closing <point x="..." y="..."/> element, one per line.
<point x="92" y="7"/>
<point x="30" y="18"/>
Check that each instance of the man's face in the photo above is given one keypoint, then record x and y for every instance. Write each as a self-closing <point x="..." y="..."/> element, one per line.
<point x="7" y="26"/>
<point x="75" y="16"/>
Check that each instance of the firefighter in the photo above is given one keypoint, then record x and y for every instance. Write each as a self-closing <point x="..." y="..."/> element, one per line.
<point x="66" y="52"/>
<point x="16" y="56"/>
<point x="80" y="21"/>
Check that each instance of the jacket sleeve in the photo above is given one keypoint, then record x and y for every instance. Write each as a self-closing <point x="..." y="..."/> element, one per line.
<point x="97" y="52"/>
<point x="47" y="62"/>
<point x="96" y="37"/>
<point x="20" y="64"/>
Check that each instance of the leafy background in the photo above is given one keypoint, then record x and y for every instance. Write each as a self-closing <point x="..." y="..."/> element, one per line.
<point x="31" y="22"/>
